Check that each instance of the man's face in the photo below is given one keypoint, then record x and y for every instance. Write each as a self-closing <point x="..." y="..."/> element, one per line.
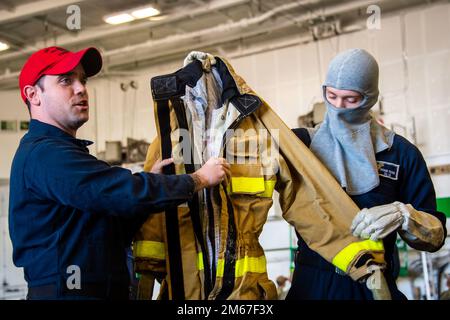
<point x="346" y="99"/>
<point x="64" y="98"/>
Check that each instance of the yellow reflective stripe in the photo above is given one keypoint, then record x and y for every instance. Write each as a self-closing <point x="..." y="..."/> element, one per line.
<point x="269" y="186"/>
<point x="346" y="255"/>
<point x="244" y="265"/>
<point x="247" y="185"/>
<point x="200" y="265"/>
<point x="259" y="186"/>
<point x="250" y="264"/>
<point x="149" y="249"/>
<point x="220" y="267"/>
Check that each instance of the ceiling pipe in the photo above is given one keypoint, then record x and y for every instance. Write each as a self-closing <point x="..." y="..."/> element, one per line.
<point x="108" y="31"/>
<point x="33" y="8"/>
<point x="159" y="47"/>
<point x="215" y="31"/>
<point x="228" y="27"/>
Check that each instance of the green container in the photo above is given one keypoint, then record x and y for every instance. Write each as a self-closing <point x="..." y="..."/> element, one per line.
<point x="443" y="205"/>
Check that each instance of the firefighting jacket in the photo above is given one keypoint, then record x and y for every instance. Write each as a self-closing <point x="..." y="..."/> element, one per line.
<point x="208" y="248"/>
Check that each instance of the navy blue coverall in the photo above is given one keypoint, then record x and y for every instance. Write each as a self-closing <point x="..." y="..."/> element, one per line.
<point x="70" y="210"/>
<point x="403" y="177"/>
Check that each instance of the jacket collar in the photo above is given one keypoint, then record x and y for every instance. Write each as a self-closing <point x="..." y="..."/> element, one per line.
<point x="234" y="87"/>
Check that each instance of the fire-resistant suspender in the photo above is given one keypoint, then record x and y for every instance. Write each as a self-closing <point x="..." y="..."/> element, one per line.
<point x="171" y="215"/>
<point x="164" y="88"/>
<point x="194" y="203"/>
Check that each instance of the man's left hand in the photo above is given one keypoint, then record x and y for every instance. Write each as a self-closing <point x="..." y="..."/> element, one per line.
<point x="158" y="166"/>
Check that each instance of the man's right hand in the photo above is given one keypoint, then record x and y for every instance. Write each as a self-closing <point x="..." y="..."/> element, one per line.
<point x="213" y="172"/>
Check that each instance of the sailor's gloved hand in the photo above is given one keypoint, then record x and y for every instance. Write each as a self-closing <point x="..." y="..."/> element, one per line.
<point x="377" y="222"/>
<point x="419" y="229"/>
<point x="206" y="59"/>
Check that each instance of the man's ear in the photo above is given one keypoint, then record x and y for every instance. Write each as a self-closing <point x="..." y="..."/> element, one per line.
<point x="32" y="95"/>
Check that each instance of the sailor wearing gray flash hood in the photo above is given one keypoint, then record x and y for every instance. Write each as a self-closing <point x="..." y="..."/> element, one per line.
<point x="348" y="139"/>
<point x="383" y="173"/>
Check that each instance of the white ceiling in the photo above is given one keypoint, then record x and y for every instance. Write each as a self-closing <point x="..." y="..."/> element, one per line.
<point x="213" y="25"/>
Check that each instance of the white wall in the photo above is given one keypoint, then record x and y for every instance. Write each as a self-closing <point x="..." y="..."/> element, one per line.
<point x="10" y="276"/>
<point x="12" y="108"/>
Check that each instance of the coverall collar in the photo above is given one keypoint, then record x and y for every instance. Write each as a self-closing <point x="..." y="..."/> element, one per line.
<point x="38" y="128"/>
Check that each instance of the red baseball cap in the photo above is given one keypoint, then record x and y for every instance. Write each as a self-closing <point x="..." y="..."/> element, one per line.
<point x="57" y="60"/>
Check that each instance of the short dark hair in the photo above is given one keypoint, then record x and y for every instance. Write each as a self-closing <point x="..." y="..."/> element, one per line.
<point x="40" y="84"/>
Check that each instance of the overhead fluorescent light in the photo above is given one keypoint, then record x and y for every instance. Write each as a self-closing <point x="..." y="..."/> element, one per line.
<point x="3" y="46"/>
<point x="119" y="18"/>
<point x="157" y="18"/>
<point x="145" y="12"/>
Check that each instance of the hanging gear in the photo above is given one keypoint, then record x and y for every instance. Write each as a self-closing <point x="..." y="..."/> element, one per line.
<point x="210" y="245"/>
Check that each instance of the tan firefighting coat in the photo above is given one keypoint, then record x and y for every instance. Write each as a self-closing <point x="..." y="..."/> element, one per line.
<point x="208" y="248"/>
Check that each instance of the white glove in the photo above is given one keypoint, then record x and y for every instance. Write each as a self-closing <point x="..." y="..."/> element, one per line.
<point x="419" y="229"/>
<point x="377" y="222"/>
<point x="206" y="59"/>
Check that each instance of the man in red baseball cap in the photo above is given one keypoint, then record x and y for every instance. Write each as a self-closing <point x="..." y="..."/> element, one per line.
<point x="64" y="73"/>
<point x="71" y="216"/>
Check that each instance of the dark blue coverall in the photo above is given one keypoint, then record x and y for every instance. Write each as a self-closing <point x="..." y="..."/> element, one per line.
<point x="403" y="177"/>
<point x="69" y="210"/>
